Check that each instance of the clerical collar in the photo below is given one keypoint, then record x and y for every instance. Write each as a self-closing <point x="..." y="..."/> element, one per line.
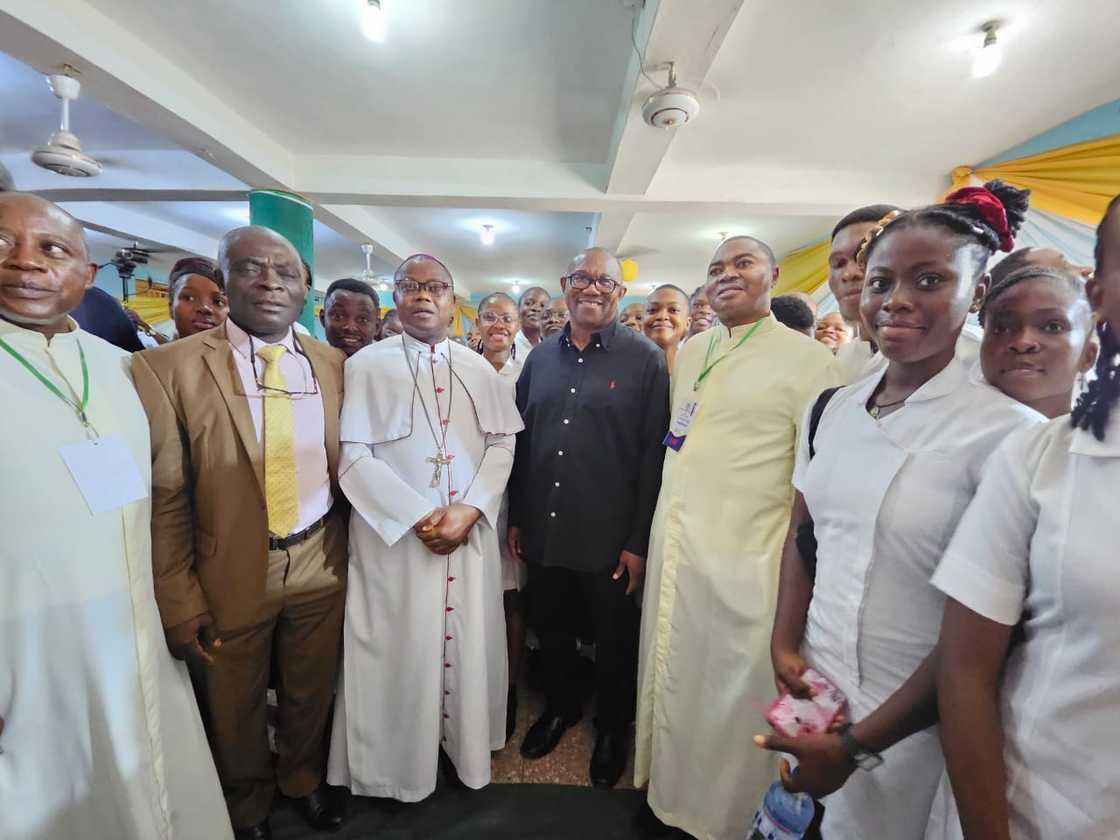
<point x="416" y="345"/>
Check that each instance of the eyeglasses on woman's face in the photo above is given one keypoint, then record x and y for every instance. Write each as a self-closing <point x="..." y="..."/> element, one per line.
<point x="491" y="318"/>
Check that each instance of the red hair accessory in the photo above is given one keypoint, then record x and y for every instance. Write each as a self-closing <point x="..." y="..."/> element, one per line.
<point x="990" y="207"/>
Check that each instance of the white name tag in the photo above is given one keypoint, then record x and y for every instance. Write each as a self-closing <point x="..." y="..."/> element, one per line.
<point x="105" y="472"/>
<point x="682" y="420"/>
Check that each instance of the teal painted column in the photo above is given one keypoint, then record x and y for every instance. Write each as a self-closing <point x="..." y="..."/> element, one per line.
<point x="291" y="217"/>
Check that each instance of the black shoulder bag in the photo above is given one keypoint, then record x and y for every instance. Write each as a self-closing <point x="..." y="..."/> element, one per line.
<point x="806" y="540"/>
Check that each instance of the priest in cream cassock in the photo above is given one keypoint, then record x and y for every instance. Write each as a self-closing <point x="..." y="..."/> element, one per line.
<point x="100" y="737"/>
<point x="427" y="436"/>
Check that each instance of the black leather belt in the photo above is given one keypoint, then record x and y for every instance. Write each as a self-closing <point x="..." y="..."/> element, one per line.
<point x="281" y="543"/>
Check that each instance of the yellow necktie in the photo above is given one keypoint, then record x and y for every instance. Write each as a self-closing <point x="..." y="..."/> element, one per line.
<point x="280" y="490"/>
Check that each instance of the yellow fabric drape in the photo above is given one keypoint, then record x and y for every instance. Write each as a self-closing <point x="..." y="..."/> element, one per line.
<point x="804" y="269"/>
<point x="152" y="310"/>
<point x="1074" y="182"/>
<point x="463" y="314"/>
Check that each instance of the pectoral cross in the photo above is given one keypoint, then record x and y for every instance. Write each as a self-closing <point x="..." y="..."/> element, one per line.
<point x="440" y="461"/>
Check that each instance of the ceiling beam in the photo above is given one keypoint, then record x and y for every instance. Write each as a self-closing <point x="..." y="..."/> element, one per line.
<point x="611" y="227"/>
<point x="687" y="33"/>
<point x="122" y="220"/>
<point x="366" y="224"/>
<point x="765" y="191"/>
<point x="136" y="80"/>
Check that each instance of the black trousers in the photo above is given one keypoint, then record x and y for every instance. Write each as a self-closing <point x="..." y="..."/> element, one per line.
<point x="562" y="604"/>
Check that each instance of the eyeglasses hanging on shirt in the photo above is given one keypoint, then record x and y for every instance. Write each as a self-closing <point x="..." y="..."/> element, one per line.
<point x="266" y="389"/>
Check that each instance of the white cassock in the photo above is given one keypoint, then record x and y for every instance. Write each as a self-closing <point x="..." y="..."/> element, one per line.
<point x="424" y="648"/>
<point x="102" y="738"/>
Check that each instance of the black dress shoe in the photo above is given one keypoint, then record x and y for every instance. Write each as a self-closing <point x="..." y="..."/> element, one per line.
<point x="609" y="759"/>
<point x="321" y="811"/>
<point x="511" y="712"/>
<point x="545" y="734"/>
<point x="260" y="831"/>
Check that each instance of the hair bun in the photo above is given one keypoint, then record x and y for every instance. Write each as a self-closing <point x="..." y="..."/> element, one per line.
<point x="1015" y="203"/>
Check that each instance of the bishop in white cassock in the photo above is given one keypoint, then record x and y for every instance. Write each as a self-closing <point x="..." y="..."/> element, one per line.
<point x="100" y="737"/>
<point x="427" y="445"/>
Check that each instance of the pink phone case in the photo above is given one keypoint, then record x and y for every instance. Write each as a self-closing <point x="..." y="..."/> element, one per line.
<point x="792" y="716"/>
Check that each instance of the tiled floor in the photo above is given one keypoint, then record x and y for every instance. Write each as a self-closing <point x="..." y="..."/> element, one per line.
<point x="566" y="765"/>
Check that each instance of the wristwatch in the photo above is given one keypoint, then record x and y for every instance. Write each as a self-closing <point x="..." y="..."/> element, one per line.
<point x="861" y="756"/>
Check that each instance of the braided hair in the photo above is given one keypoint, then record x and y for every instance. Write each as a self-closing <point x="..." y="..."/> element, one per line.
<point x="1096" y="402"/>
<point x="1069" y="280"/>
<point x="964" y="219"/>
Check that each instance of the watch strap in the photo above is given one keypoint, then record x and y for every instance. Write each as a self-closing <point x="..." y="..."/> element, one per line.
<point x="860" y="755"/>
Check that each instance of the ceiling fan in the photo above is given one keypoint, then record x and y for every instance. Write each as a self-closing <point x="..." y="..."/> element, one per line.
<point x="63" y="153"/>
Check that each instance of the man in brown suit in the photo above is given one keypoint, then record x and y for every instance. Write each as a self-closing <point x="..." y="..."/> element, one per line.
<point x="248" y="529"/>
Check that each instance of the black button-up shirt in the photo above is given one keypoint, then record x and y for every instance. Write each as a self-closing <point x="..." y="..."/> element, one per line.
<point x="588" y="465"/>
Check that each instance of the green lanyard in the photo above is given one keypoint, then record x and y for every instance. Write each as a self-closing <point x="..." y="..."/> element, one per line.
<point x="79" y="408"/>
<point x="712" y="346"/>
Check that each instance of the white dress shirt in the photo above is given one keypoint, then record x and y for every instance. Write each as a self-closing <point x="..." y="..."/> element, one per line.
<point x="312" y="474"/>
<point x="885" y="497"/>
<point x="522" y="347"/>
<point x="1039" y="542"/>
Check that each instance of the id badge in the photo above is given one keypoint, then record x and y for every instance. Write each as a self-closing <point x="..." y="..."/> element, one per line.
<point x="105" y="472"/>
<point x="682" y="422"/>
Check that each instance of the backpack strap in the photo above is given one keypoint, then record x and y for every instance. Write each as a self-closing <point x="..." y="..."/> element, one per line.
<point x="815" y="417"/>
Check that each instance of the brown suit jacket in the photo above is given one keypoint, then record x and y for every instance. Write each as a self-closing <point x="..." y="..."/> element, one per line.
<point x="209" y="518"/>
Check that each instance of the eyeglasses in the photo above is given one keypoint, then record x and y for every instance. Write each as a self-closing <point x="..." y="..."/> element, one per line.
<point x="265" y="390"/>
<point x="435" y="288"/>
<point x="494" y="318"/>
<point x="580" y="281"/>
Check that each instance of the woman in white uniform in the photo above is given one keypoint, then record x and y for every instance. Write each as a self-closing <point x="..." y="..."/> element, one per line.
<point x="896" y="459"/>
<point x="499" y="325"/>
<point x="1036" y="757"/>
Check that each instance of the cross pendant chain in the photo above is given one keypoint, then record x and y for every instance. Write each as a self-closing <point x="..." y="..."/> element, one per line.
<point x="440" y="461"/>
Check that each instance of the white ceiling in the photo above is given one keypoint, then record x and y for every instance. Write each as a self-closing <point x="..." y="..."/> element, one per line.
<point x="841" y="85"/>
<point x="482" y="79"/>
<point x="335" y="255"/>
<point x="529" y="248"/>
<point x="30" y="112"/>
<point x="669" y="249"/>
<point x="525" y="114"/>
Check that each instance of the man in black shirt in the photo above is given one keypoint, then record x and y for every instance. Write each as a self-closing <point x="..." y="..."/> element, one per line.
<point x="595" y="400"/>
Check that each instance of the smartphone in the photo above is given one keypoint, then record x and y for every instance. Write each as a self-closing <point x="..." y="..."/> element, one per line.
<point x="793" y="716"/>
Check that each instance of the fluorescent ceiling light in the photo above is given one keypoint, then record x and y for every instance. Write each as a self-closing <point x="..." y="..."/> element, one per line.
<point x="487" y="235"/>
<point x="373" y="21"/>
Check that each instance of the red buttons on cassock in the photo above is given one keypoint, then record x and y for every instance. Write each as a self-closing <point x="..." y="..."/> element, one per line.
<point x="450" y="609"/>
<point x="447" y="638"/>
<point x="450" y="579"/>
